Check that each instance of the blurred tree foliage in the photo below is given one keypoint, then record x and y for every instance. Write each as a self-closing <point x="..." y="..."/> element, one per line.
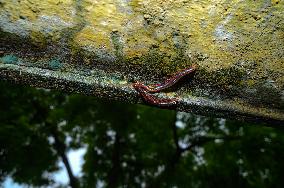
<point x="131" y="145"/>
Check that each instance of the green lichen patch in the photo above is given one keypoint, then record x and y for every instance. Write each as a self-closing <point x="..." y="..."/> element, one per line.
<point x="55" y="64"/>
<point x="9" y="59"/>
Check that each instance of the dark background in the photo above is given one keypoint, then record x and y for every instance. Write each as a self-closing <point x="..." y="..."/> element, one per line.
<point x="131" y="145"/>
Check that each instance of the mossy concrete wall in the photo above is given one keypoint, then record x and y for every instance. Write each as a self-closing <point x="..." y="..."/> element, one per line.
<point x="238" y="46"/>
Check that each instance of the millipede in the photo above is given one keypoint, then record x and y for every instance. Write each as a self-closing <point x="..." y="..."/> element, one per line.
<point x="145" y="91"/>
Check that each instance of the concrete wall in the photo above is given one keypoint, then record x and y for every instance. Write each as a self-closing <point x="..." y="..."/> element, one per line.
<point x="238" y="46"/>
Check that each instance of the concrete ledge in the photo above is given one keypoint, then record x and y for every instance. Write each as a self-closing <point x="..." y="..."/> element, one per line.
<point x="101" y="47"/>
<point x="122" y="90"/>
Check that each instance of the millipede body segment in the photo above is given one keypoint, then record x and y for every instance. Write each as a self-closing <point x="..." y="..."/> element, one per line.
<point x="145" y="91"/>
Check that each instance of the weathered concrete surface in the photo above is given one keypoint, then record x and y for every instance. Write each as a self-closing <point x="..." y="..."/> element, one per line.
<point x="101" y="47"/>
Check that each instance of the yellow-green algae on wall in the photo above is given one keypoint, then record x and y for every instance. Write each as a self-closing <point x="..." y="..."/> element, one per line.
<point x="238" y="44"/>
<point x="222" y="30"/>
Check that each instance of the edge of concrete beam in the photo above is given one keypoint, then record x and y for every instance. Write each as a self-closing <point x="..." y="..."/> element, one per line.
<point x="122" y="90"/>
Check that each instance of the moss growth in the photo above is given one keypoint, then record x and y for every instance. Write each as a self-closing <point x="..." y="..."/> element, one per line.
<point x="38" y="39"/>
<point x="31" y="10"/>
<point x="117" y="43"/>
<point x="156" y="64"/>
<point x="226" y="81"/>
<point x="264" y="93"/>
<point x="23" y="46"/>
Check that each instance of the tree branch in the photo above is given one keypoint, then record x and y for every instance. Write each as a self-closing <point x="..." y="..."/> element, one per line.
<point x="113" y="175"/>
<point x="171" y="164"/>
<point x="175" y="136"/>
<point x="41" y="115"/>
<point x="204" y="139"/>
<point x="61" y="148"/>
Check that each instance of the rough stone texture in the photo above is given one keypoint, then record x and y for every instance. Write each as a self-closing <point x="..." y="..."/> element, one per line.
<point x="101" y="47"/>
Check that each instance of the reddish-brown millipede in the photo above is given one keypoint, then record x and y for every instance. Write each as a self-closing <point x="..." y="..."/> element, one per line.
<point x="145" y="91"/>
<point x="151" y="99"/>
